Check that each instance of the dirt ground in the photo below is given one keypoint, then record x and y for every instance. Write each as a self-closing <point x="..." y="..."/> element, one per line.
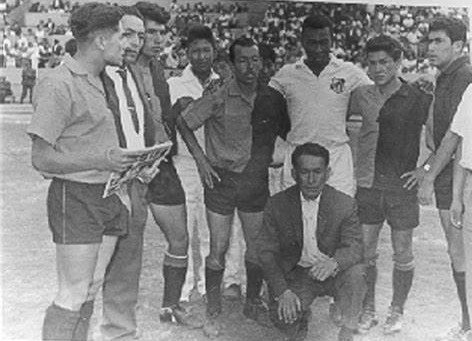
<point x="29" y="278"/>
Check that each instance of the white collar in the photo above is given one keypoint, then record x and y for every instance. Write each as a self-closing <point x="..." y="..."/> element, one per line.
<point x="188" y="76"/>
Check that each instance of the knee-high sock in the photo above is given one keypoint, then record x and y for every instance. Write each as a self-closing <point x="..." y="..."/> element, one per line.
<point x="402" y="281"/>
<point x="213" y="280"/>
<point x="371" y="280"/>
<point x="82" y="328"/>
<point x="59" y="323"/>
<point x="459" y="278"/>
<point x="174" y="278"/>
<point x="254" y="279"/>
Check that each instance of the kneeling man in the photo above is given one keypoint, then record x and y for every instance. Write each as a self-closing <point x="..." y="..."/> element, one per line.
<point x="311" y="245"/>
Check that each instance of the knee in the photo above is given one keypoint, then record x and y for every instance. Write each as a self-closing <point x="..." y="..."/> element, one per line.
<point x="404" y="260"/>
<point x="178" y="243"/>
<point x="355" y="275"/>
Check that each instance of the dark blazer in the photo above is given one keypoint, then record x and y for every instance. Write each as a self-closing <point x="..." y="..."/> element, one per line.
<point x="280" y="241"/>
<point x="150" y="127"/>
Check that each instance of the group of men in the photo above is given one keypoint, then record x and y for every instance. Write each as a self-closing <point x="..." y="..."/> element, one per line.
<point x="316" y="237"/>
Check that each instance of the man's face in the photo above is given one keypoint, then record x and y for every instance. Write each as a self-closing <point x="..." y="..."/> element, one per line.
<point x="268" y="70"/>
<point x="113" y="47"/>
<point x="317" y="44"/>
<point x="133" y="37"/>
<point x="223" y="69"/>
<point x="441" y="50"/>
<point x="310" y="175"/>
<point x="200" y="54"/>
<point x="247" y="64"/>
<point x="382" y="68"/>
<point x="154" y="39"/>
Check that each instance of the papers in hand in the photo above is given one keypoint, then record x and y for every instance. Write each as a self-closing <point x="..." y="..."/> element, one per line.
<point x="144" y="169"/>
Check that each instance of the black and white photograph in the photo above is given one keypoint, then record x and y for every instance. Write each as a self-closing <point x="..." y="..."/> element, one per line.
<point x="308" y="171"/>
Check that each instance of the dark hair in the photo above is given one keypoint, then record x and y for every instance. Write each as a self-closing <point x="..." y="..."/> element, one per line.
<point x="317" y="21"/>
<point x="312" y="149"/>
<point x="266" y="52"/>
<point x="221" y="56"/>
<point x="92" y="17"/>
<point x="152" y="11"/>
<point x="455" y="28"/>
<point x="388" y="44"/>
<point x="241" y="41"/>
<point x="131" y="10"/>
<point x="71" y="46"/>
<point x="197" y="32"/>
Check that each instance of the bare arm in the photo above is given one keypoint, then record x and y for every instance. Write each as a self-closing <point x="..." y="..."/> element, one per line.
<point x="457" y="207"/>
<point x="47" y="159"/>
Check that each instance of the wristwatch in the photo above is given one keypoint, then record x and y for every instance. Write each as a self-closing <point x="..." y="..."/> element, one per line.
<point x="427" y="167"/>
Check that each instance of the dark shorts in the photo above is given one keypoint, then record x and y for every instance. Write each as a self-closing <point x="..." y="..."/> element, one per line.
<point x="248" y="192"/>
<point x="166" y="188"/>
<point x="79" y="215"/>
<point x="443" y="188"/>
<point x="401" y="210"/>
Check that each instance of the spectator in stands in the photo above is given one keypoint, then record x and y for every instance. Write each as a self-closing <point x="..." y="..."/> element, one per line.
<point x="28" y="80"/>
<point x="71" y="47"/>
<point x="5" y="89"/>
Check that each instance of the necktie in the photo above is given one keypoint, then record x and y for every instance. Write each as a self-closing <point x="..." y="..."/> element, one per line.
<point x="129" y="99"/>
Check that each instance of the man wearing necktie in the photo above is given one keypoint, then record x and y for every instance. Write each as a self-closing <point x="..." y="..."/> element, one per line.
<point x="310" y="245"/>
<point x="137" y="113"/>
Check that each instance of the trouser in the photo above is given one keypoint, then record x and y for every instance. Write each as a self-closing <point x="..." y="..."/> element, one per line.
<point x="199" y="234"/>
<point x="120" y="290"/>
<point x="467" y="234"/>
<point x="348" y="287"/>
<point x="340" y="162"/>
<point x="24" y="91"/>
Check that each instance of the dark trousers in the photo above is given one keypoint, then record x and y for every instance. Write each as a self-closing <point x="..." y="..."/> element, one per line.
<point x="348" y="287"/>
<point x="25" y="90"/>
<point x="120" y="290"/>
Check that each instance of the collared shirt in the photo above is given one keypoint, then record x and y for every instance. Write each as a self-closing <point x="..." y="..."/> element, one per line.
<point x="187" y="85"/>
<point x="317" y="106"/>
<point x="226" y="115"/>
<point x="450" y="85"/>
<point x="134" y="140"/>
<point x="400" y="123"/>
<point x="71" y="113"/>
<point x="310" y="251"/>
<point x="462" y="126"/>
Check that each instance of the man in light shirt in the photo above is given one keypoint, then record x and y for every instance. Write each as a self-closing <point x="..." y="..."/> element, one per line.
<point x="317" y="89"/>
<point x="310" y="245"/>
<point x="458" y="140"/>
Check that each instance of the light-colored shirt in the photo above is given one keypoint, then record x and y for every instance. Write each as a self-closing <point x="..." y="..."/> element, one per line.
<point x="71" y="114"/>
<point x="310" y="251"/>
<point x="187" y="84"/>
<point x="134" y="140"/>
<point x="462" y="126"/>
<point x="226" y="114"/>
<point x="317" y="106"/>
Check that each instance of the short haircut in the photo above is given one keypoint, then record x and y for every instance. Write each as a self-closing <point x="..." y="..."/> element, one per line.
<point x="152" y="11"/>
<point x="317" y="21"/>
<point x="197" y="32"/>
<point x="266" y="52"/>
<point x="455" y="28"/>
<point x="92" y="17"/>
<point x="241" y="41"/>
<point x="312" y="149"/>
<point x="131" y="10"/>
<point x="385" y="43"/>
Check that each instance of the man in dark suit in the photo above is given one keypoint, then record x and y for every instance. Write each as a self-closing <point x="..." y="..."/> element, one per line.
<point x="311" y="245"/>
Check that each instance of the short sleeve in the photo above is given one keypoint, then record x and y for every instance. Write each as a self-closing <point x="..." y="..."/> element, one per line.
<point x="360" y="78"/>
<point x="277" y="81"/>
<point x="202" y="109"/>
<point x="462" y="120"/>
<point x="52" y="106"/>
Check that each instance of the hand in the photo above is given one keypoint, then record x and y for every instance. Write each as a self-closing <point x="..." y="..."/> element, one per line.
<point x="425" y="83"/>
<point x="323" y="269"/>
<point x="119" y="160"/>
<point x="207" y="174"/>
<point x="182" y="103"/>
<point x="425" y="191"/>
<point x="289" y="306"/>
<point x="456" y="210"/>
<point x="413" y="178"/>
